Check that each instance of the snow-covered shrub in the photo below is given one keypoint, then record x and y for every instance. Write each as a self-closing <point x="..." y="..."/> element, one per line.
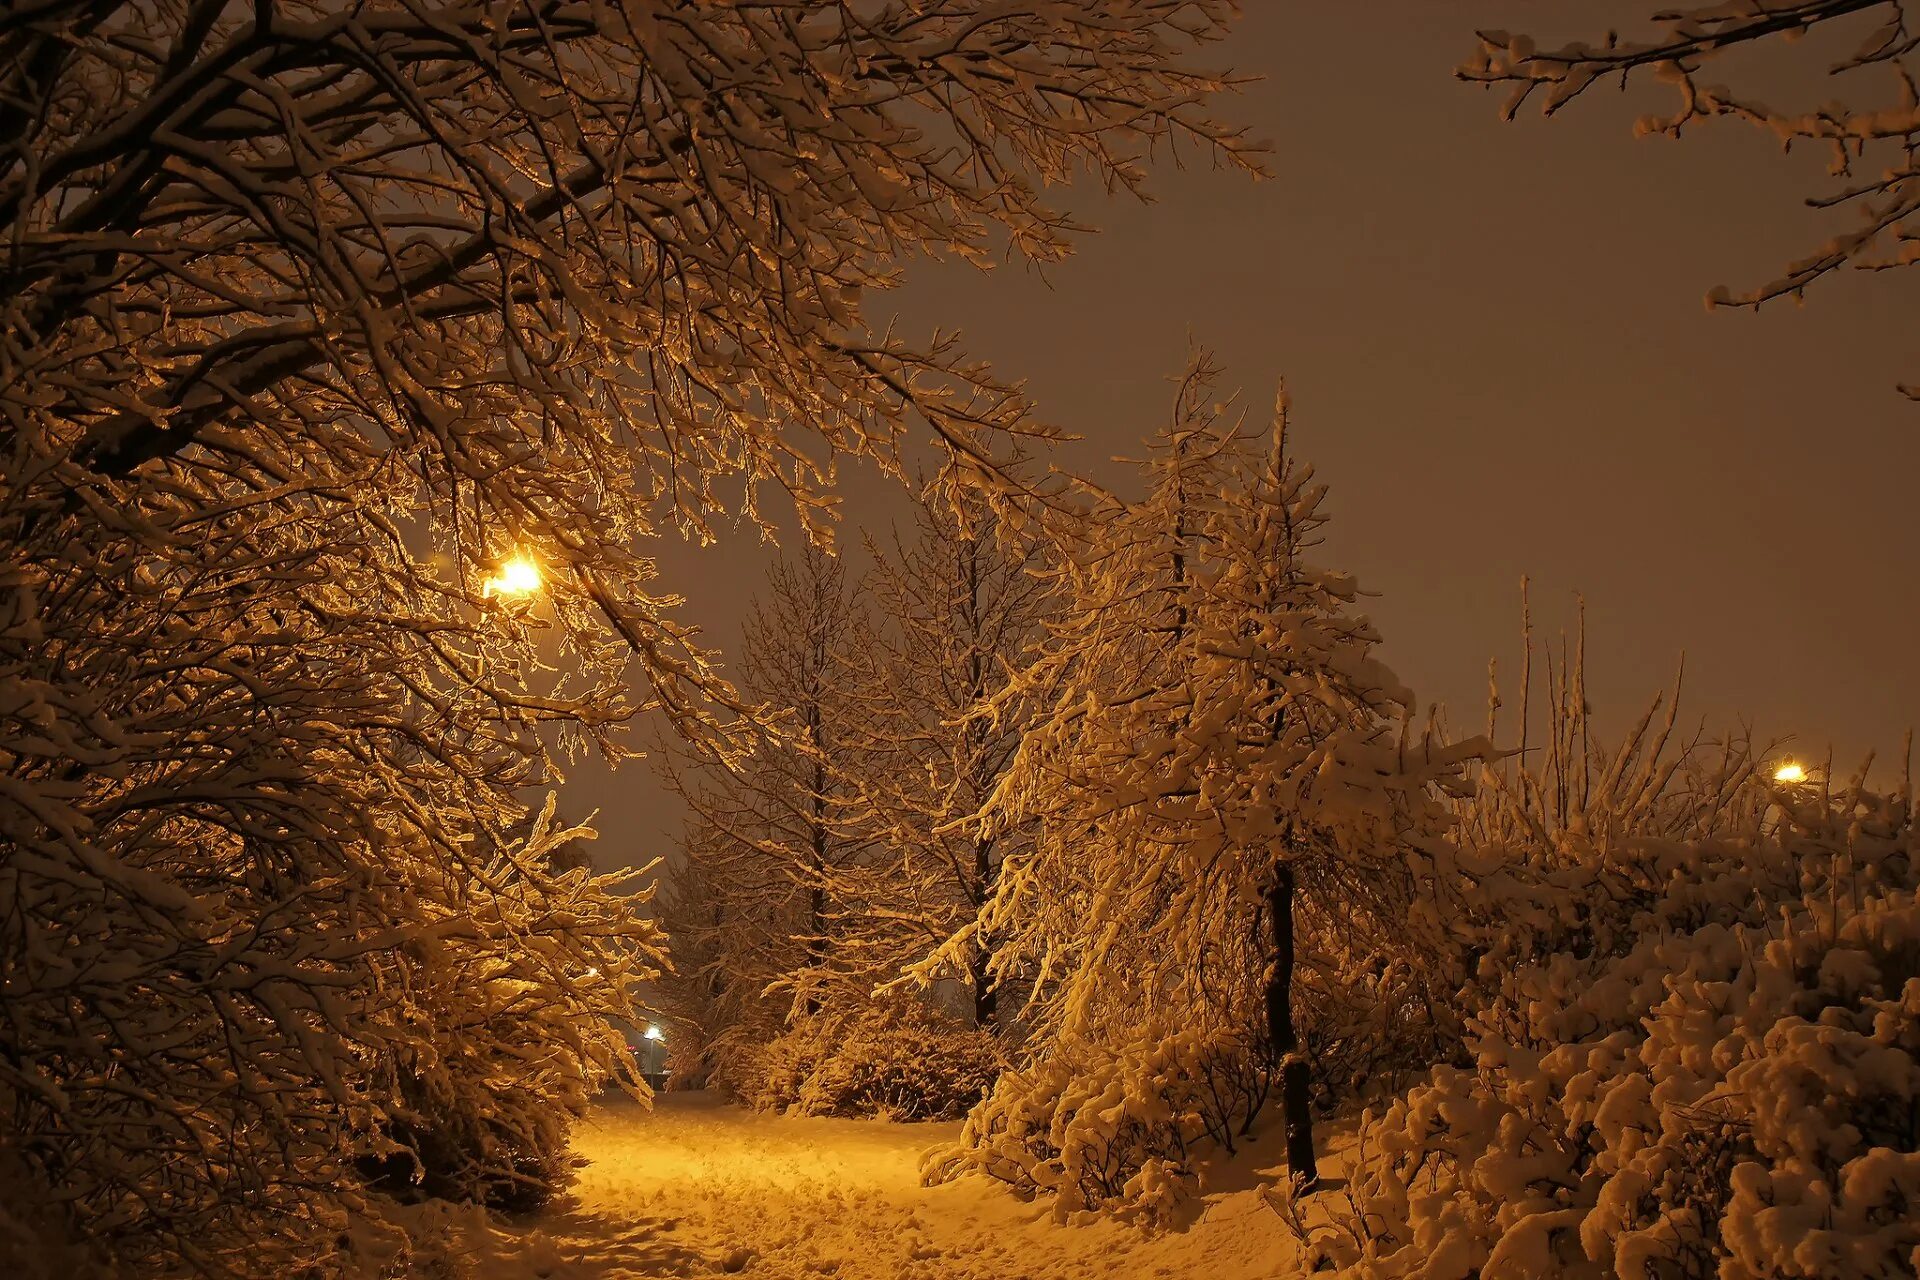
<point x="900" y="1060"/>
<point x="1713" y="1069"/>
<point x="1098" y="1125"/>
<point x="464" y="1124"/>
<point x="481" y="1109"/>
<point x="1374" y="1011"/>
<point x="1566" y="852"/>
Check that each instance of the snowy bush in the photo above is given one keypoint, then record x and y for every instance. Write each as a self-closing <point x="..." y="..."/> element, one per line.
<point x="900" y="1061"/>
<point x="1374" y="1011"/>
<point x="1098" y="1125"/>
<point x="1712" y="1068"/>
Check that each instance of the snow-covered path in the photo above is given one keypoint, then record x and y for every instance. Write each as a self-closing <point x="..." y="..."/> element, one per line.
<point x="699" y="1189"/>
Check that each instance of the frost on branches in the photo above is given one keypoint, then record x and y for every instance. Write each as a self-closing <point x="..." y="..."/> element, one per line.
<point x="1226" y="775"/>
<point x="1871" y="47"/>
<point x="313" y="314"/>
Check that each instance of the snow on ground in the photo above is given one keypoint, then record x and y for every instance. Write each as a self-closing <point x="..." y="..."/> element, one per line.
<point x="698" y="1188"/>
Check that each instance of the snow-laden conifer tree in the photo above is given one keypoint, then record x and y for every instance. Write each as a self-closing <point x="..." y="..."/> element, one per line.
<point x="759" y="881"/>
<point x="315" y="314"/>
<point x="820" y="867"/>
<point x="959" y="602"/>
<point x="1224" y="755"/>
<point x="789" y="802"/>
<point x="734" y="918"/>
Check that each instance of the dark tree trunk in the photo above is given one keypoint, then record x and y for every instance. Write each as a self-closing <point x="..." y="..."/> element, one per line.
<point x="1295" y="1099"/>
<point x="986" y="993"/>
<point x="817" y="900"/>
<point x="816" y="944"/>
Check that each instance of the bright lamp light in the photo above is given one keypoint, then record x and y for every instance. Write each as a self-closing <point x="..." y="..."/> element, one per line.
<point x="517" y="576"/>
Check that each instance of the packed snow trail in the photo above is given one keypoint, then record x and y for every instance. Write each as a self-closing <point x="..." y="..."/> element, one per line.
<point x="699" y="1189"/>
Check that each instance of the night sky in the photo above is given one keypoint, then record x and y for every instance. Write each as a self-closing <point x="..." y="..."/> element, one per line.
<point x="1501" y="363"/>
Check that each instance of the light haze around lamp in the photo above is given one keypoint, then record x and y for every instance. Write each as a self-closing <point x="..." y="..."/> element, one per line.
<point x="518" y="575"/>
<point x="651" y="1053"/>
<point x="1792" y="787"/>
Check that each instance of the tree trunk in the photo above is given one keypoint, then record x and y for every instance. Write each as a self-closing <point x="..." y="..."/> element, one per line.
<point x="986" y="993"/>
<point x="816" y="946"/>
<point x="817" y="901"/>
<point x="1295" y="1100"/>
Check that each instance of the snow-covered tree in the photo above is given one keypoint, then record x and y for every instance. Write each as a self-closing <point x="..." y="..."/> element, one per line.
<point x="1224" y="753"/>
<point x="315" y="313"/>
<point x="1869" y="45"/>
<point x="789" y="802"/>
<point x="959" y="605"/>
<point x="770" y="841"/>
<point x="813" y="871"/>
<point x="733" y="918"/>
<point x="512" y="244"/>
<point x="275" y="917"/>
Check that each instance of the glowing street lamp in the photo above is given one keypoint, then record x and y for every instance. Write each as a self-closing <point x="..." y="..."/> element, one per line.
<point x="517" y="576"/>
<point x="651" y="1055"/>
<point x="1789" y="774"/>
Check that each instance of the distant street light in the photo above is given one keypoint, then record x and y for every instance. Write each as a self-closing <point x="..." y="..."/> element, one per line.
<point x="651" y="1054"/>
<point x="517" y="576"/>
<point x="1790" y="773"/>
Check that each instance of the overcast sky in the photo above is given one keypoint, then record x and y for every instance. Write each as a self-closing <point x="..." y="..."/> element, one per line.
<point x="1501" y="363"/>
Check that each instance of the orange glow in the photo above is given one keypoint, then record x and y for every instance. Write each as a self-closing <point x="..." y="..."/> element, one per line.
<point x="517" y="576"/>
<point x="1789" y="773"/>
